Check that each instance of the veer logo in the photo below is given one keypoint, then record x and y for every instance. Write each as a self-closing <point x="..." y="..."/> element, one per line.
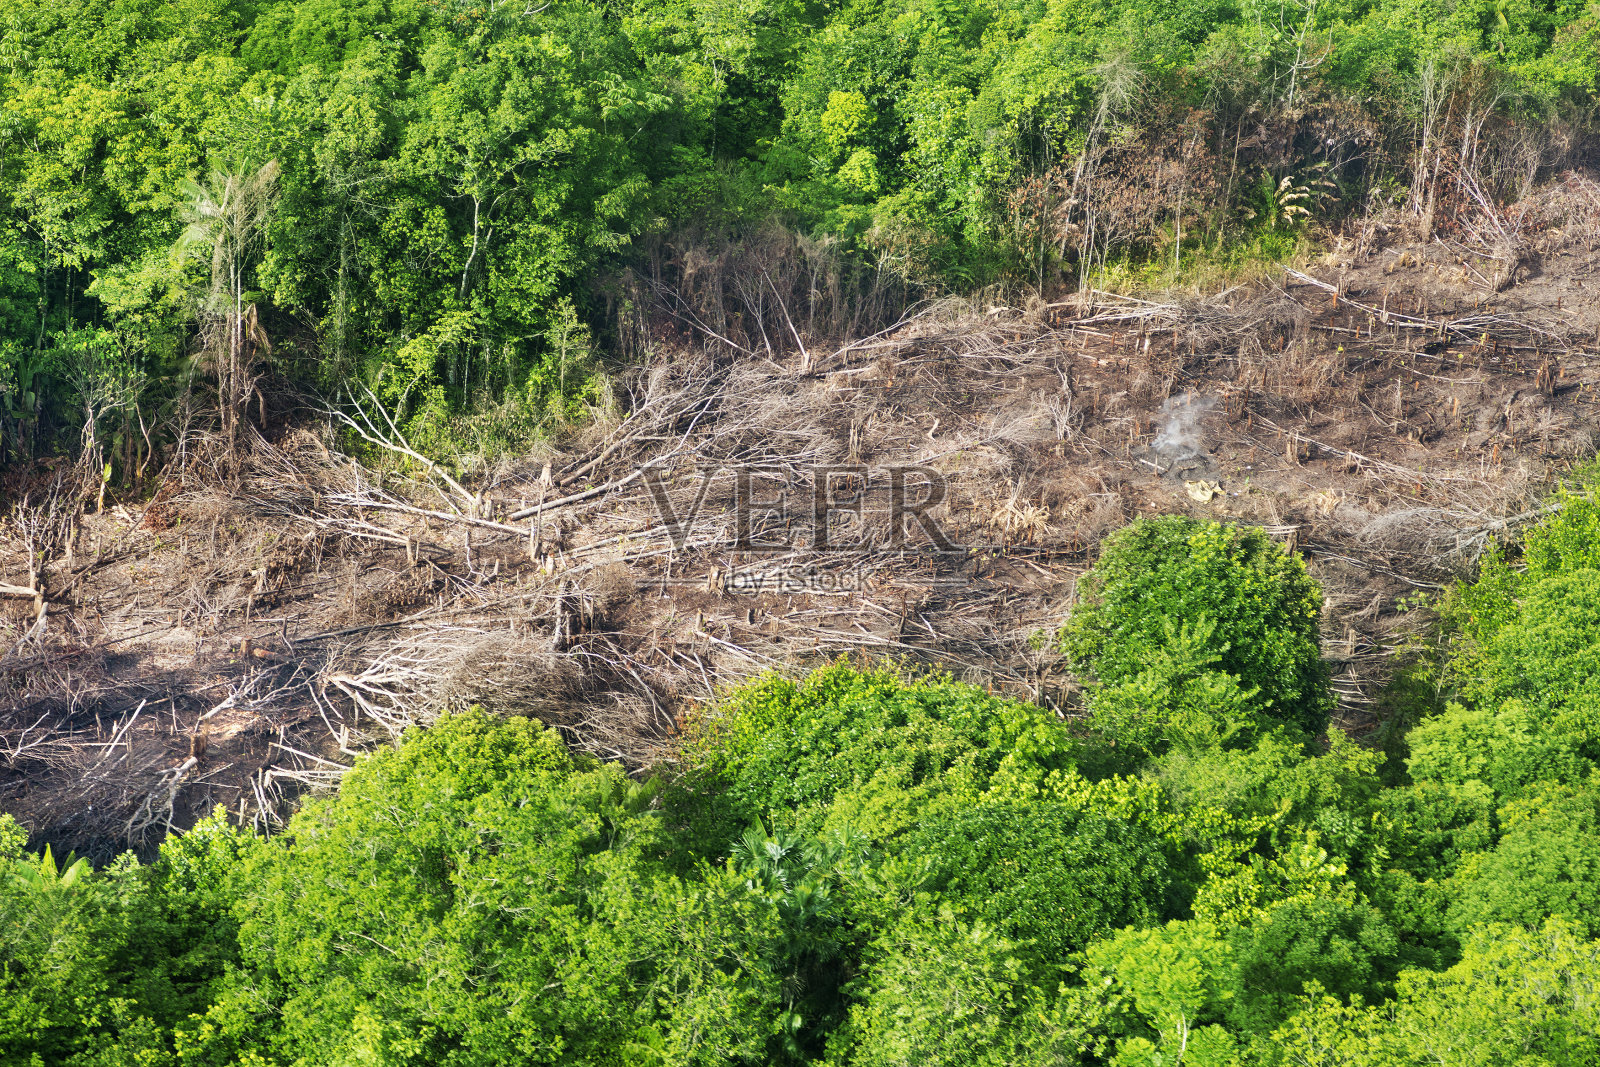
<point x="847" y="507"/>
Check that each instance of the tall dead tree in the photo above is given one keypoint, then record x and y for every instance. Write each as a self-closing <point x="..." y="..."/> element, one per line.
<point x="1120" y="85"/>
<point x="226" y="217"/>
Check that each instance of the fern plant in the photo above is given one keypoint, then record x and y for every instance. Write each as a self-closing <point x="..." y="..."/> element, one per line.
<point x="1289" y="200"/>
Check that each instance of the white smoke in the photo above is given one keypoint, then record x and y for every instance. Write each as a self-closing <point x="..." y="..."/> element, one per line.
<point x="1180" y="426"/>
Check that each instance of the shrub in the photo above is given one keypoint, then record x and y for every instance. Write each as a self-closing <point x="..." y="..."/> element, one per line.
<point x="1254" y="603"/>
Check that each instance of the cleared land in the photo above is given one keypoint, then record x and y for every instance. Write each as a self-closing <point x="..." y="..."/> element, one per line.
<point x="243" y="636"/>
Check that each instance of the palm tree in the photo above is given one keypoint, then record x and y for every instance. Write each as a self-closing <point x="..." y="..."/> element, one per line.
<point x="226" y="216"/>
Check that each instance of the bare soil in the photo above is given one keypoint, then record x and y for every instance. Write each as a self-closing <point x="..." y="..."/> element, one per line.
<point x="242" y="636"/>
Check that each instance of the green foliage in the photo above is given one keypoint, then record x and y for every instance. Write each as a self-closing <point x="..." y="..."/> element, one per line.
<point x="1280" y="824"/>
<point x="1545" y="863"/>
<point x="1569" y="540"/>
<point x="787" y="749"/>
<point x="1050" y="877"/>
<point x="43" y="876"/>
<point x="864" y="867"/>
<point x="1545" y="656"/>
<point x="1173" y="984"/>
<point x="1248" y="613"/>
<point x="1503" y="747"/>
<point x="1518" y="996"/>
<point x="1348" y="949"/>
<point x="1544" y="613"/>
<point x="1179" y="701"/>
<point x="453" y="175"/>
<point x="1277" y="773"/>
<point x="99" y="967"/>
<point x="1525" y="665"/>
<point x="428" y="912"/>
<point x="943" y="992"/>
<point x="1533" y="989"/>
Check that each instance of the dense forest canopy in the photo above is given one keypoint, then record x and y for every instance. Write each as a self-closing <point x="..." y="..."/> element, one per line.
<point x="451" y="203"/>
<point x="862" y="866"/>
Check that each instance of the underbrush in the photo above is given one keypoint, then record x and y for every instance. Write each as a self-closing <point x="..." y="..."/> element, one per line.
<point x="1249" y="258"/>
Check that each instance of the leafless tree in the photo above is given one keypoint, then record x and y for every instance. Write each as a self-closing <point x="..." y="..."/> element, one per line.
<point x="227" y="216"/>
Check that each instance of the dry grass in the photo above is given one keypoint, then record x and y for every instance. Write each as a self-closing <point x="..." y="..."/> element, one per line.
<point x="245" y="636"/>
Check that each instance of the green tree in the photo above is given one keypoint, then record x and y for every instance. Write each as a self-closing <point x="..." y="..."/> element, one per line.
<point x="1523" y="663"/>
<point x="1180" y="700"/>
<point x="1250" y="608"/>
<point x="1545" y="863"/>
<point x="98" y="967"/>
<point x="479" y="896"/>
<point x="951" y="994"/>
<point x="1518" y="996"/>
<point x="1172" y="984"/>
<point x="787" y="749"/>
<point x="1047" y="876"/>
<point x="1348" y="949"/>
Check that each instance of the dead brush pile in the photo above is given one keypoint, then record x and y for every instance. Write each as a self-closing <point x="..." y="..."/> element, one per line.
<point x="251" y="631"/>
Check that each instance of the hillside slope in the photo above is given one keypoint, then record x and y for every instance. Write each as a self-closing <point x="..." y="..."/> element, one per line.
<point x="1387" y="412"/>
